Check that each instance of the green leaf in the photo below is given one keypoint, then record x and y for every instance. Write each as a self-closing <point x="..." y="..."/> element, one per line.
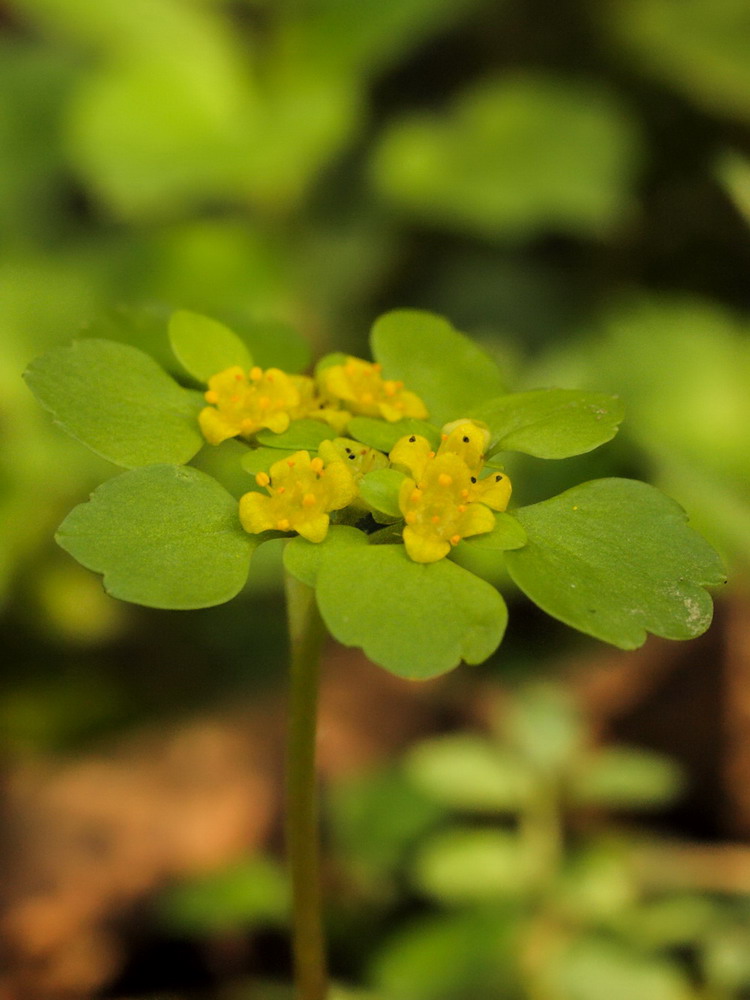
<point x="626" y="777"/>
<point x="615" y="558"/>
<point x="118" y="402"/>
<point x="380" y="490"/>
<point x="383" y="435"/>
<point x="246" y="894"/>
<point x="303" y="559"/>
<point x="508" y="533"/>
<point x="446" y="369"/>
<point x="278" y="345"/>
<point x="306" y="435"/>
<point x="166" y="537"/>
<point x="415" y="620"/>
<point x="257" y="460"/>
<point x="514" y="157"/>
<point x="468" y="772"/>
<point x="551" y="423"/>
<point x="472" y="866"/>
<point x="205" y="347"/>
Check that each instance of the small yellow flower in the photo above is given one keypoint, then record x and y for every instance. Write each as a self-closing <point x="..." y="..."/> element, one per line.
<point x="362" y="389"/>
<point x="242" y="403"/>
<point x="444" y="500"/>
<point x="313" y="407"/>
<point x="300" y="493"/>
<point x="358" y="458"/>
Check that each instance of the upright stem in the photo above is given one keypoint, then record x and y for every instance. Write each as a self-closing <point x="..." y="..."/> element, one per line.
<point x="306" y="634"/>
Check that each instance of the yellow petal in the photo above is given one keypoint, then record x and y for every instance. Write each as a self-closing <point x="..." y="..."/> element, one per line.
<point x="314" y="528"/>
<point x="494" y="491"/>
<point x="340" y="486"/>
<point x="413" y="453"/>
<point x="215" y="427"/>
<point x="476" y="520"/>
<point x="424" y="548"/>
<point x="257" y="513"/>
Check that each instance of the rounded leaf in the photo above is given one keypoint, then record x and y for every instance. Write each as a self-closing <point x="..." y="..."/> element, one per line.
<point x="615" y="559"/>
<point x="205" y="347"/>
<point x="416" y="620"/>
<point x="116" y="400"/>
<point x="165" y="536"/>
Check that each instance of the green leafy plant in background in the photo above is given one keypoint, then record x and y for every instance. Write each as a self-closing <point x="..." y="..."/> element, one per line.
<point x="388" y="475"/>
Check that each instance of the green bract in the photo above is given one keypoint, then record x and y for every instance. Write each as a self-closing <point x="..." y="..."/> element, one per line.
<point x="348" y="460"/>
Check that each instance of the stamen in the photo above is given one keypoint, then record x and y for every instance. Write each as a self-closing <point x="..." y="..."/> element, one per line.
<point x="317" y="464"/>
<point x="367" y="397"/>
<point x="431" y="454"/>
<point x="264" y="402"/>
<point x="444" y="479"/>
<point x="308" y="500"/>
<point x="262" y="479"/>
<point x="256" y="373"/>
<point x="211" y="396"/>
<point x="291" y="463"/>
<point x="416" y="494"/>
<point x="281" y="489"/>
<point x="465" y="494"/>
<point x="443" y="437"/>
<point x="239" y="377"/>
<point x="455" y="539"/>
<point x="461" y="508"/>
<point x="410" y="517"/>
<point x="435" y="519"/>
<point x="283" y="524"/>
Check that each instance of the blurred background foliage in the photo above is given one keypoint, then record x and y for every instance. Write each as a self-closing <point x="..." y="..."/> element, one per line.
<point x="568" y="181"/>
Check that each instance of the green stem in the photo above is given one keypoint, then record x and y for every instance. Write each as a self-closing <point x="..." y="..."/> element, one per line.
<point x="306" y="634"/>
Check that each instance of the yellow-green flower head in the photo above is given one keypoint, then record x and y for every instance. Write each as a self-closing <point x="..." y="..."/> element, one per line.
<point x="467" y="438"/>
<point x="363" y="390"/>
<point x="358" y="458"/>
<point x="300" y="493"/>
<point x="444" y="500"/>
<point x="242" y="403"/>
<point x="315" y="407"/>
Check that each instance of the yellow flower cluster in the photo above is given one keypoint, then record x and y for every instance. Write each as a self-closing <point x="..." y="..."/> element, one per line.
<point x="242" y="403"/>
<point x="444" y="500"/>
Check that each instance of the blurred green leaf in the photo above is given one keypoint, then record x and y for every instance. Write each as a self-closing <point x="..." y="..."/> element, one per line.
<point x="165" y="536"/>
<point x="118" y="402"/>
<point x="597" y="884"/>
<point x="205" y="347"/>
<point x="625" y="777"/>
<point x="415" y="620"/>
<point x="380" y="489"/>
<point x="698" y="46"/>
<point x="246" y="894"/>
<point x="469" y="955"/>
<point x="544" y="726"/>
<point x="277" y="345"/>
<point x="615" y="558"/>
<point x="551" y="423"/>
<point x="446" y="369"/>
<point x="514" y="157"/>
<point x="469" y="773"/>
<point x="592" y="968"/>
<point x="475" y="866"/>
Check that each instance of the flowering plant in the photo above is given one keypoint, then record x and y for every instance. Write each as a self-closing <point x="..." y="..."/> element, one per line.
<point x="380" y="474"/>
<point x="383" y="473"/>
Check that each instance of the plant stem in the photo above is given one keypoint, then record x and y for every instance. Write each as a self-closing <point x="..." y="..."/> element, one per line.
<point x="306" y="635"/>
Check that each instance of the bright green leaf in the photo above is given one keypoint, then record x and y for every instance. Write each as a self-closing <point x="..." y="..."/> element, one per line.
<point x="304" y="435"/>
<point x="257" y="460"/>
<point x="615" y="558"/>
<point x="508" y="533"/>
<point x="383" y="435"/>
<point x="380" y="490"/>
<point x="468" y="772"/>
<point x="165" y="536"/>
<point x="626" y="777"/>
<point x="303" y="559"/>
<point x="415" y="620"/>
<point x="551" y="423"/>
<point x="205" y="347"/>
<point x="118" y="402"/>
<point x="471" y="866"/>
<point x="446" y="369"/>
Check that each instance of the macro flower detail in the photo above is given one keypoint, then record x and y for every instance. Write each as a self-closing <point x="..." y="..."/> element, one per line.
<point x="363" y="390"/>
<point x="242" y="403"/>
<point x="444" y="500"/>
<point x="300" y="493"/>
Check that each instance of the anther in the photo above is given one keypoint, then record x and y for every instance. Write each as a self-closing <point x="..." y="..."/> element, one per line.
<point x="317" y="464"/>
<point x="283" y="524"/>
<point x="256" y="373"/>
<point x="239" y="377"/>
<point x="410" y="517"/>
<point x="262" y="479"/>
<point x="211" y="396"/>
<point x="465" y="494"/>
<point x="431" y="454"/>
<point x="390" y="388"/>
<point x="435" y="519"/>
<point x="455" y="539"/>
<point x="461" y="508"/>
<point x="443" y="437"/>
<point x="280" y="490"/>
<point x="415" y="495"/>
<point x="367" y="397"/>
<point x="291" y="463"/>
<point x="308" y="500"/>
<point x="264" y="402"/>
<point x="444" y="479"/>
